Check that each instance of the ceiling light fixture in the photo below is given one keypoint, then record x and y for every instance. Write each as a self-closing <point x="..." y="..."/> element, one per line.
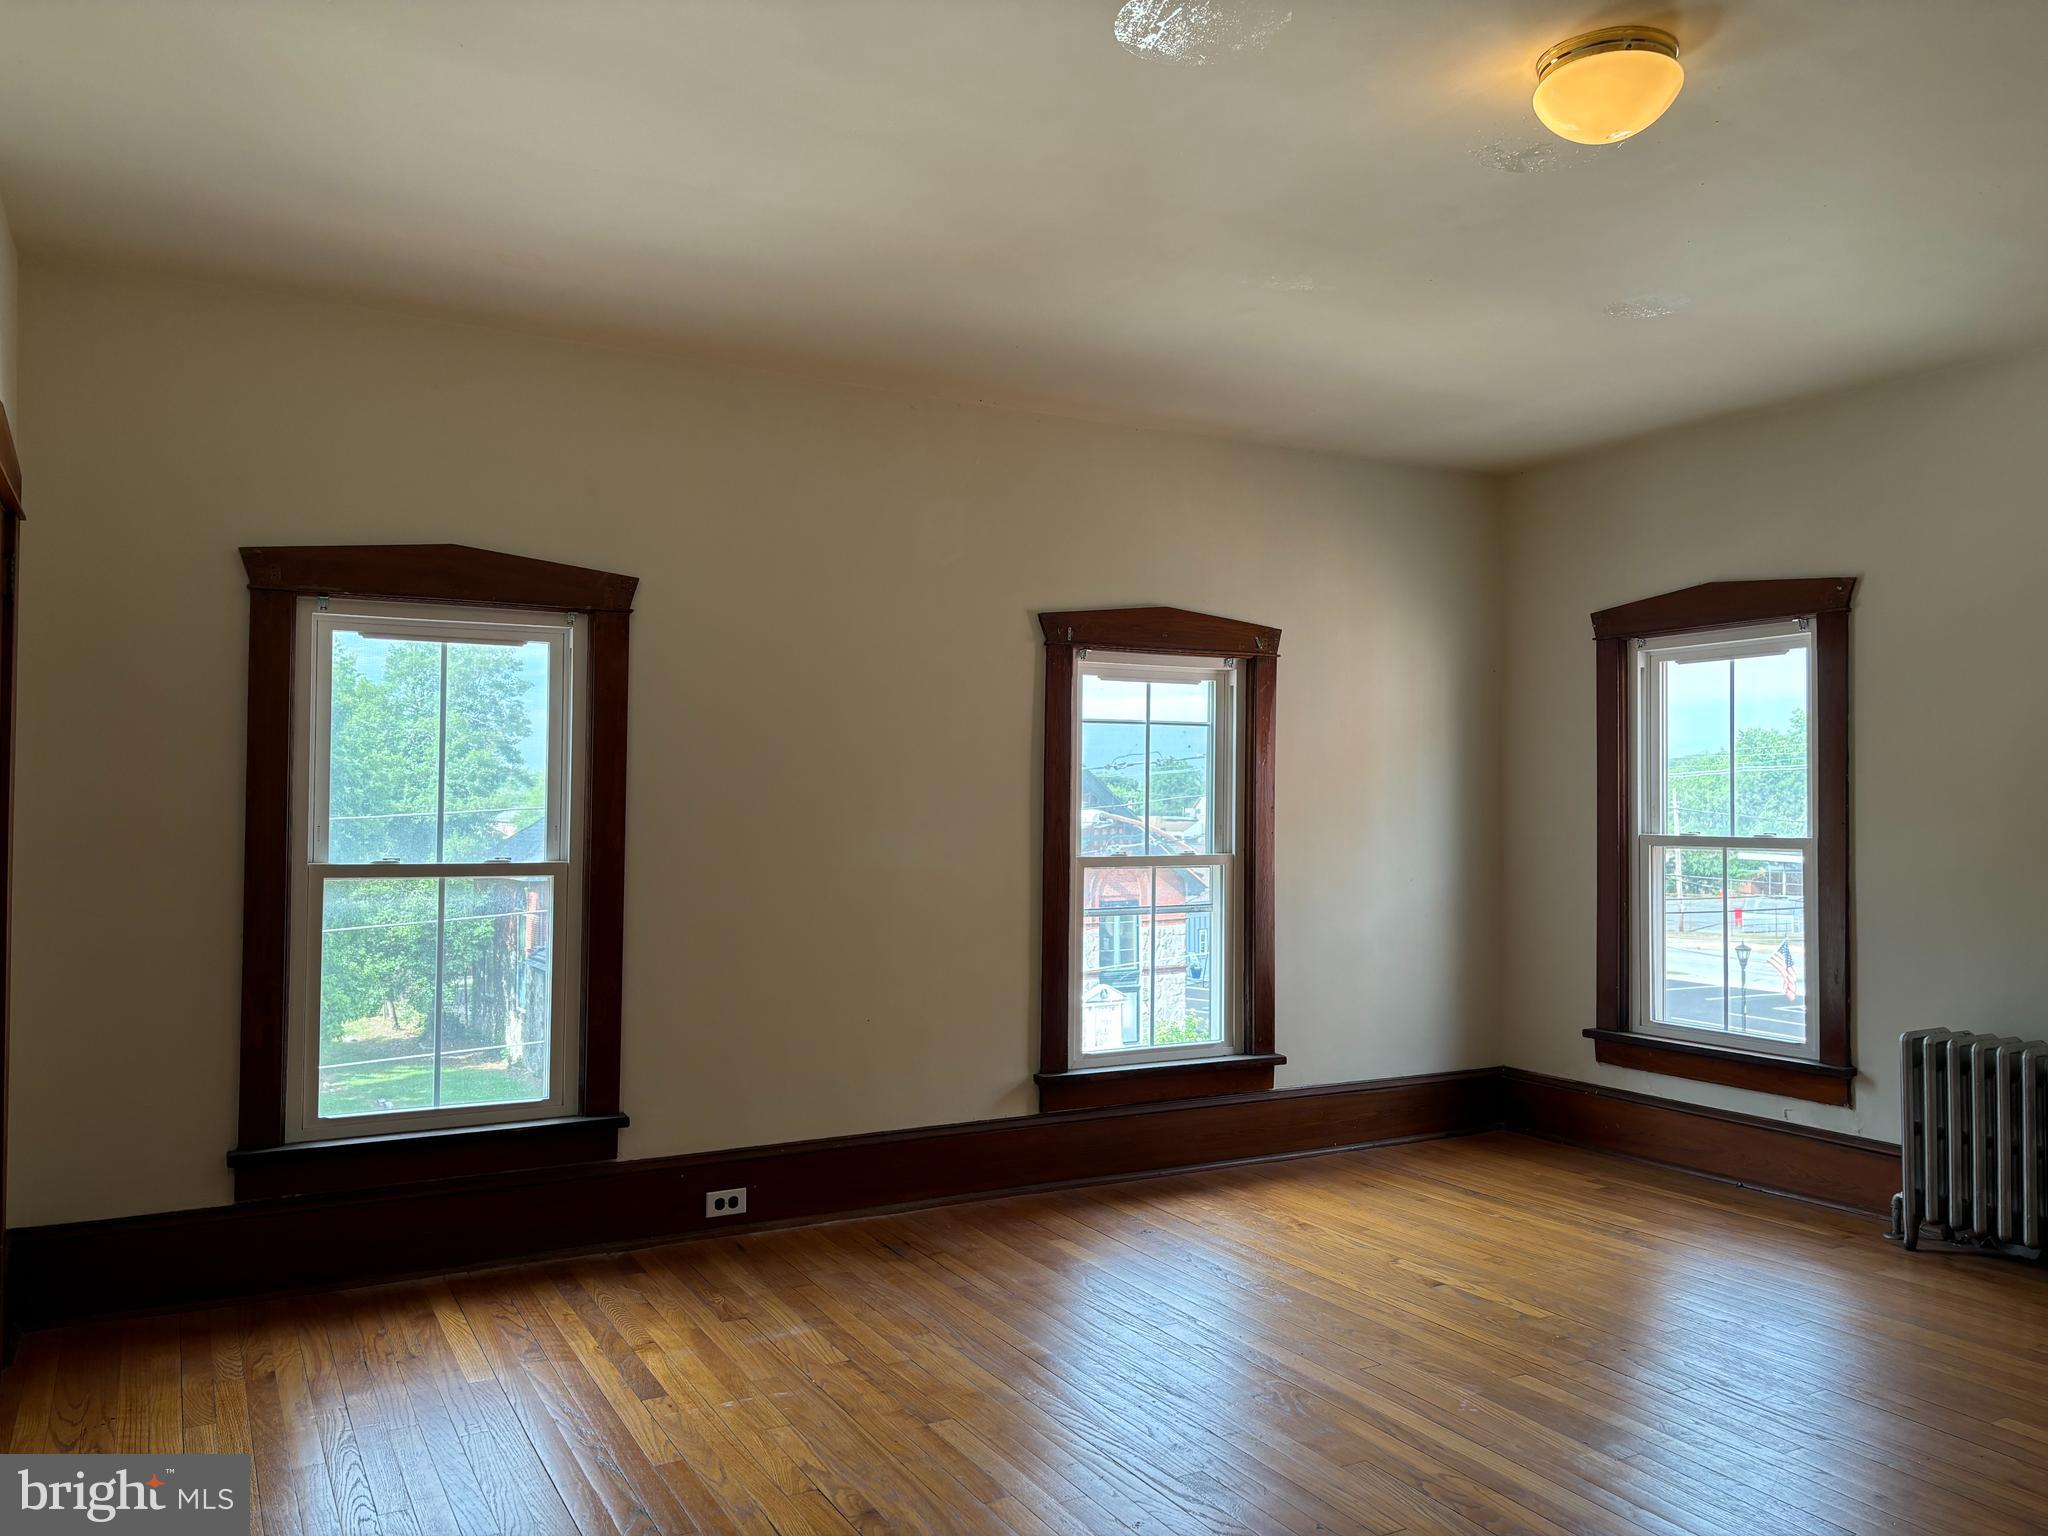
<point x="1605" y="86"/>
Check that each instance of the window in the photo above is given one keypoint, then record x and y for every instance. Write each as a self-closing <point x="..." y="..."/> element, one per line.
<point x="1724" y="834"/>
<point x="1155" y="853"/>
<point x="440" y="871"/>
<point x="433" y="882"/>
<point x="1723" y="866"/>
<point x="1157" y="975"/>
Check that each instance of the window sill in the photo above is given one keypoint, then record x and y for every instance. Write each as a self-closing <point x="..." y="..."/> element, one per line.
<point x="1815" y="1081"/>
<point x="1144" y="1082"/>
<point x="357" y="1163"/>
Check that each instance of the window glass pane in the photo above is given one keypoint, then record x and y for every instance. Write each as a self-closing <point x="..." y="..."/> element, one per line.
<point x="386" y="957"/>
<point x="1115" y="958"/>
<point x="1185" y="703"/>
<point x="1182" y="715"/>
<point x="1150" y="958"/>
<point x="1112" y="810"/>
<point x="1767" y="942"/>
<point x="1185" y="979"/>
<point x="1689" y="933"/>
<point x="496" y="982"/>
<point x="384" y="761"/>
<point x="377" y="960"/>
<point x="1696" y="779"/>
<point x="1771" y="745"/>
<point x="1180" y="789"/>
<point x="1111" y="698"/>
<point x="497" y="792"/>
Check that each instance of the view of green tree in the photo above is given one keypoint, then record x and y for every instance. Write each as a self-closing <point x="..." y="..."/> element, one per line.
<point x="1177" y="783"/>
<point x="379" y="941"/>
<point x="1770" y="785"/>
<point x="1177" y="786"/>
<point x="376" y="955"/>
<point x="1769" y="801"/>
<point x="1188" y="1030"/>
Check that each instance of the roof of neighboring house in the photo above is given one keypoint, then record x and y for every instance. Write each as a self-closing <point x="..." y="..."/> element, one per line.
<point x="528" y="844"/>
<point x="1096" y="795"/>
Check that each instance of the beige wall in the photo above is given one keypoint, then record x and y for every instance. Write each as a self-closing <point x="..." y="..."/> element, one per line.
<point x="835" y="673"/>
<point x="1932" y="491"/>
<point x="9" y="324"/>
<point x="836" y="680"/>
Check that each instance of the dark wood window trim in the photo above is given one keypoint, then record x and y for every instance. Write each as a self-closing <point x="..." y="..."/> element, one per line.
<point x="11" y="516"/>
<point x="1062" y="1084"/>
<point x="1717" y="605"/>
<point x="346" y="1164"/>
<point x="264" y="1162"/>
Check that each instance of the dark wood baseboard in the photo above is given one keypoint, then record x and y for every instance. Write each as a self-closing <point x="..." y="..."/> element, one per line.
<point x="178" y="1259"/>
<point x="1763" y="1154"/>
<point x="258" y="1247"/>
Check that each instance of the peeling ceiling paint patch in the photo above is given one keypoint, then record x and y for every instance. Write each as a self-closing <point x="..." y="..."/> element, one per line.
<point x="1515" y="159"/>
<point x="1196" y="31"/>
<point x="1282" y="282"/>
<point x="1650" y="306"/>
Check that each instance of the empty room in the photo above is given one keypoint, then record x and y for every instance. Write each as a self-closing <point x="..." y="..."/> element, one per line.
<point x="1020" y="766"/>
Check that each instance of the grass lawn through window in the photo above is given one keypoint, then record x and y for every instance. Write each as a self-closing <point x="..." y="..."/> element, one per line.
<point x="376" y="1069"/>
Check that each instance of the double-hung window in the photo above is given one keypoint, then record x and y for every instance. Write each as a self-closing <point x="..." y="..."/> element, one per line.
<point x="440" y="868"/>
<point x="433" y="865"/>
<point x="1155" y="858"/>
<point x="1724" y="837"/>
<point x="1157" y="973"/>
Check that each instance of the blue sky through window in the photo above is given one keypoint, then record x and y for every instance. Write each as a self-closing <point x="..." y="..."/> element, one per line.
<point x="1770" y="691"/>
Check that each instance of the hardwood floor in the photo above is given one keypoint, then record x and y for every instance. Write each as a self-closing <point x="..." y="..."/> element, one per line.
<point x="1486" y="1334"/>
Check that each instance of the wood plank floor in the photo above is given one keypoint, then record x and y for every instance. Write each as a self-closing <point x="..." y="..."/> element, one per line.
<point x="1488" y="1334"/>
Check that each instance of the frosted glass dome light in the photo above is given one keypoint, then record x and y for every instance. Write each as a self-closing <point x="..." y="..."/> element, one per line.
<point x="1606" y="86"/>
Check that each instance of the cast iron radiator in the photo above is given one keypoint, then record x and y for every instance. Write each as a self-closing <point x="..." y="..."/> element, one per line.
<point x="1973" y="1131"/>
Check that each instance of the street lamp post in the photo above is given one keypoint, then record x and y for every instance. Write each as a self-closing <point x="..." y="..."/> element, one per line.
<point x="1742" y="961"/>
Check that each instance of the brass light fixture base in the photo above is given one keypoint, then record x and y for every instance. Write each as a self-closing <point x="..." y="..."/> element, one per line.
<point x="1606" y="40"/>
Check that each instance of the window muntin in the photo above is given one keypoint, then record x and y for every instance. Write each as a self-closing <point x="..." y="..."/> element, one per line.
<point x="1155" y="862"/>
<point x="1723" y="837"/>
<point x="438" y="880"/>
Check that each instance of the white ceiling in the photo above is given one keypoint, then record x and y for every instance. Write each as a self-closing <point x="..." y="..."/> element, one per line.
<point x="1354" y="236"/>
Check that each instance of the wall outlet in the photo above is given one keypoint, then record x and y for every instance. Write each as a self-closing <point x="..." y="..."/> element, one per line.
<point x="725" y="1202"/>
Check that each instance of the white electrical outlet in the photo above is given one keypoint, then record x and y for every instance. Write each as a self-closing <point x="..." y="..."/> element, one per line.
<point x="725" y="1202"/>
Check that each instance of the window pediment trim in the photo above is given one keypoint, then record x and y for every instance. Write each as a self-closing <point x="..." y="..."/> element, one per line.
<point x="1167" y="631"/>
<point x="447" y="573"/>
<point x="1720" y="604"/>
